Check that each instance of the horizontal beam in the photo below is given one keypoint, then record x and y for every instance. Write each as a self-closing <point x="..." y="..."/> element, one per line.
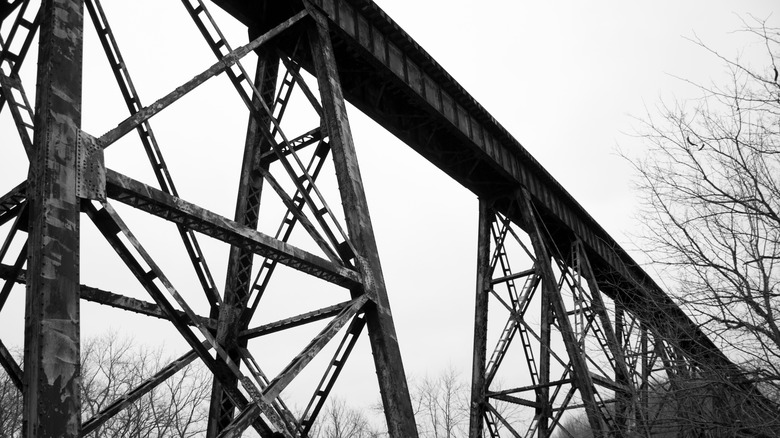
<point x="294" y="321"/>
<point x="516" y="400"/>
<point x="515" y="276"/>
<point x="139" y="195"/>
<point x="99" y="296"/>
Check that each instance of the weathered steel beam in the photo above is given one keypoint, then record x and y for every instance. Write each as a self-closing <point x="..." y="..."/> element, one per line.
<point x="144" y="114"/>
<point x="515" y="400"/>
<point x="306" y="139"/>
<point x="332" y="372"/>
<point x="110" y="225"/>
<point x="7" y="87"/>
<point x="134" y="305"/>
<point x="158" y="203"/>
<point x="292" y="369"/>
<point x="546" y="318"/>
<point x="288" y="222"/>
<point x="559" y="382"/>
<point x="294" y="321"/>
<point x="52" y="406"/>
<point x="301" y="217"/>
<point x="26" y="23"/>
<point x="16" y="269"/>
<point x="100" y="296"/>
<point x="381" y="328"/>
<point x="478" y="365"/>
<point x="316" y="345"/>
<point x="238" y="280"/>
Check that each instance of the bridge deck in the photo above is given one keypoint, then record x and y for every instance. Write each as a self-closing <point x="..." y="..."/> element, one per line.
<point x="389" y="77"/>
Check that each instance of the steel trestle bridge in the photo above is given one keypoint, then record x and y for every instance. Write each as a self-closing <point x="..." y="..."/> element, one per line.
<point x="596" y="334"/>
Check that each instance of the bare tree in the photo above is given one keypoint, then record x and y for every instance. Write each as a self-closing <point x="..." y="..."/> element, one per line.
<point x="441" y="409"/>
<point x="339" y="420"/>
<point x="10" y="407"/>
<point x="710" y="182"/>
<point x="441" y="403"/>
<point x="110" y="367"/>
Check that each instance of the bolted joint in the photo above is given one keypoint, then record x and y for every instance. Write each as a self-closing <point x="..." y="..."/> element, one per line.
<point x="90" y="168"/>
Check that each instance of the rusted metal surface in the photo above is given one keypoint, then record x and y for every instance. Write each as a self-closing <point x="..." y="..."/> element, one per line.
<point x="381" y="328"/>
<point x="90" y="168"/>
<point x="332" y="373"/>
<point x="52" y="406"/>
<point x="479" y="363"/>
<point x="110" y="226"/>
<point x="137" y="194"/>
<point x="100" y="296"/>
<point x="295" y="321"/>
<point x="239" y="274"/>
<point x="315" y="346"/>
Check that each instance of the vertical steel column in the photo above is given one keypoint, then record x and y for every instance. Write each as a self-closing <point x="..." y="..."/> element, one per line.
<point x="381" y="329"/>
<point x="544" y="411"/>
<point x="644" y="388"/>
<point x="239" y="272"/>
<point x="478" y="389"/>
<point x="621" y="398"/>
<point x="582" y="377"/>
<point x="52" y="371"/>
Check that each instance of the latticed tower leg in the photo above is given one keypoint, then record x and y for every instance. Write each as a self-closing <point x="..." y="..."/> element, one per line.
<point x="478" y="385"/>
<point x="68" y="175"/>
<point x="239" y="274"/>
<point x="576" y="361"/>
<point x="381" y="328"/>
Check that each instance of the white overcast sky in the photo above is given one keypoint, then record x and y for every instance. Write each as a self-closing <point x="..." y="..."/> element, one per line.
<point x="566" y="78"/>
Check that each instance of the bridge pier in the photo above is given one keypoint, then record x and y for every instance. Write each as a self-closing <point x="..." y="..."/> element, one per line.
<point x="560" y="287"/>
